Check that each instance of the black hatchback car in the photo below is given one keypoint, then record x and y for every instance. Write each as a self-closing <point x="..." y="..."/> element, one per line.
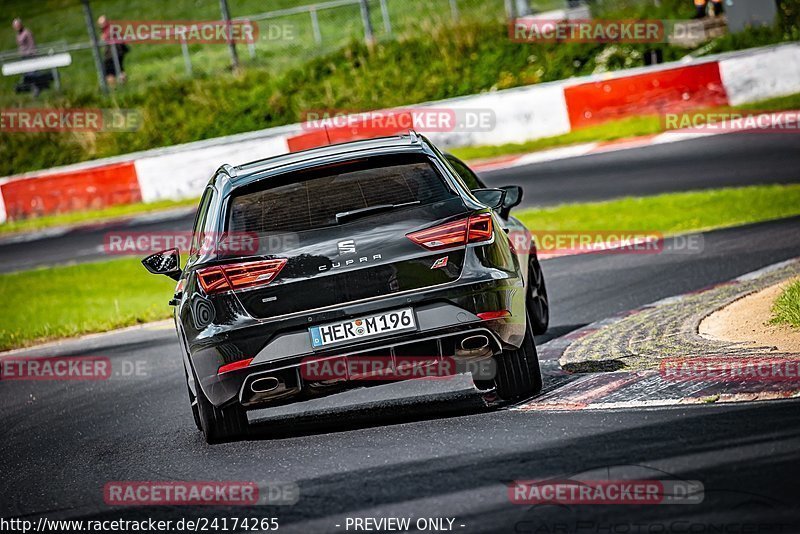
<point x="383" y="250"/>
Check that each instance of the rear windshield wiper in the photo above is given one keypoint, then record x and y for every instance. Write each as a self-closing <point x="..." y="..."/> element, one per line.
<point x="354" y="214"/>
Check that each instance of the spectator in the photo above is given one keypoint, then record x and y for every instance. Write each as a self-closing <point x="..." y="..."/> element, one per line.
<point x="109" y="68"/>
<point x="32" y="82"/>
<point x="700" y="6"/>
<point x="25" y="43"/>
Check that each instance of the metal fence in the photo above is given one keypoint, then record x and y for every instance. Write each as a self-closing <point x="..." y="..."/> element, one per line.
<point x="286" y="36"/>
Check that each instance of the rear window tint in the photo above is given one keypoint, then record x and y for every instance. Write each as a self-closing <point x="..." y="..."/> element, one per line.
<point x="308" y="200"/>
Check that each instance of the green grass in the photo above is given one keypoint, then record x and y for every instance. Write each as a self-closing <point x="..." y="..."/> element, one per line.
<point x="151" y="64"/>
<point x="67" y="301"/>
<point x="786" y="309"/>
<point x="93" y="216"/>
<point x="773" y="104"/>
<point x="72" y="300"/>
<point x="672" y="213"/>
<point x="612" y="130"/>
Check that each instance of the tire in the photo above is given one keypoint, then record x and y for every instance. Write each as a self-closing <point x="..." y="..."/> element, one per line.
<point x="537" y="303"/>
<point x="518" y="373"/>
<point x="221" y="424"/>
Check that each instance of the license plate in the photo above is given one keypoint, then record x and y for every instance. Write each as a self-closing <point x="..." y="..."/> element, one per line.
<point x="361" y="328"/>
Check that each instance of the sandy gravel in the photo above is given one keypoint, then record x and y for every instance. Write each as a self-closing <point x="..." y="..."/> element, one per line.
<point x="745" y="320"/>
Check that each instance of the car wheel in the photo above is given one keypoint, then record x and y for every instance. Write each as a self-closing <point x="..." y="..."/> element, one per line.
<point x="538" y="305"/>
<point x="221" y="424"/>
<point x="518" y="373"/>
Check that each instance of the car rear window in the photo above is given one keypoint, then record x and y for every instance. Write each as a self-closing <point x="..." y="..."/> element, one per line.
<point x="311" y="199"/>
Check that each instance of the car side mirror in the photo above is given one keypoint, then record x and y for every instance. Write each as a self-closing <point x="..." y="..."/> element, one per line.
<point x="166" y="262"/>
<point x="492" y="198"/>
<point x="513" y="198"/>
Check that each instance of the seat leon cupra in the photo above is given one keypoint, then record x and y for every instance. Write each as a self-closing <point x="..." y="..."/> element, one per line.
<point x="349" y="265"/>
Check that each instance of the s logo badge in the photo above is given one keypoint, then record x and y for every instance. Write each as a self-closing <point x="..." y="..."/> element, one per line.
<point x="347" y="246"/>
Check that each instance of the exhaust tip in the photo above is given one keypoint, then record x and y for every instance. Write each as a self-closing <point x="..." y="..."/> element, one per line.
<point x="478" y="342"/>
<point x="264" y="385"/>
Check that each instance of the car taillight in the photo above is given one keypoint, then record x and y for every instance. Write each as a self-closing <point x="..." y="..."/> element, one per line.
<point x="480" y="228"/>
<point x="239" y="275"/>
<point x="473" y="229"/>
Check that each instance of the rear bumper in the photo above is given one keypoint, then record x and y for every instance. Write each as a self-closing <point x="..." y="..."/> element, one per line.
<point x="434" y="355"/>
<point x="441" y="312"/>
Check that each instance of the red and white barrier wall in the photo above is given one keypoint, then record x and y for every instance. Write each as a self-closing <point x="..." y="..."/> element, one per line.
<point x="70" y="190"/>
<point x="521" y="114"/>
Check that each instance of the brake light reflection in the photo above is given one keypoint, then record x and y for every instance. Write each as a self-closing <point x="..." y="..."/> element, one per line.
<point x="488" y="316"/>
<point x="235" y="366"/>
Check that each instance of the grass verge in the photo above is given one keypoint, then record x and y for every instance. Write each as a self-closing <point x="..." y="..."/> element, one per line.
<point x="786" y="309"/>
<point x="67" y="301"/>
<point x="672" y="213"/>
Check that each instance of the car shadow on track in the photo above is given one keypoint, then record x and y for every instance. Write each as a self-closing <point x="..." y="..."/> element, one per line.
<point x="265" y="425"/>
<point x="366" y="411"/>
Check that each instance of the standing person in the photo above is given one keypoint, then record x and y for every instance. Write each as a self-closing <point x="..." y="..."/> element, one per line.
<point x="700" y="9"/>
<point x="26" y="46"/>
<point x="25" y="43"/>
<point x="700" y="6"/>
<point x="109" y="69"/>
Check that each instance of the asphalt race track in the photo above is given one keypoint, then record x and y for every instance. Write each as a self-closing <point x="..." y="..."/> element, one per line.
<point x="729" y="160"/>
<point x="438" y="459"/>
<point x="63" y="441"/>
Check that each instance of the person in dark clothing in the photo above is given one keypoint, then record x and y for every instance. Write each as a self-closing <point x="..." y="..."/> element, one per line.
<point x="109" y="68"/>
<point x="700" y="6"/>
